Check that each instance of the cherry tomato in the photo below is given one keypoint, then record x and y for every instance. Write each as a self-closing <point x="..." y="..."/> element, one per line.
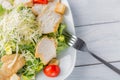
<point x="52" y="70"/>
<point x="40" y="1"/>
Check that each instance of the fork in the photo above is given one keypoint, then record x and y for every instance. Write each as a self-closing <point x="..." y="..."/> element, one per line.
<point x="78" y="44"/>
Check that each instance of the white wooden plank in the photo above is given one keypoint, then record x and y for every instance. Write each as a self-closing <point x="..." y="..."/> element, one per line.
<point x="95" y="72"/>
<point x="95" y="11"/>
<point x="84" y="58"/>
<point x="103" y="40"/>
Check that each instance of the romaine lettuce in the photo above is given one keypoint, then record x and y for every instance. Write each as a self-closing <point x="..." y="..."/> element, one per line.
<point x="61" y="38"/>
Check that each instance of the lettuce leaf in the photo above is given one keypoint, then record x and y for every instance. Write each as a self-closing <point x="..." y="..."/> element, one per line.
<point x="33" y="65"/>
<point x="61" y="38"/>
<point x="2" y="10"/>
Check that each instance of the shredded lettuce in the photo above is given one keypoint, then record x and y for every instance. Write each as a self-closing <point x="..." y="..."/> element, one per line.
<point x="20" y="27"/>
<point x="59" y="37"/>
<point x="32" y="66"/>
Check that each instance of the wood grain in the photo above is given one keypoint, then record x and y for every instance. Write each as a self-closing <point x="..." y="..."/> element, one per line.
<point x="95" y="11"/>
<point x="95" y="72"/>
<point x="98" y="24"/>
<point x="103" y="40"/>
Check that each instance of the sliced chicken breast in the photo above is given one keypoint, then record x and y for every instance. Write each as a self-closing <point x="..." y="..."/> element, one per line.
<point x="8" y="60"/>
<point x="47" y="17"/>
<point x="3" y="76"/>
<point x="14" y="77"/>
<point x="46" y="50"/>
<point x="49" y="21"/>
<point x="28" y="3"/>
<point x="38" y="9"/>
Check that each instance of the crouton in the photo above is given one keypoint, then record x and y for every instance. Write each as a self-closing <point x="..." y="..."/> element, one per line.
<point x="46" y="50"/>
<point x="54" y="61"/>
<point x="60" y="8"/>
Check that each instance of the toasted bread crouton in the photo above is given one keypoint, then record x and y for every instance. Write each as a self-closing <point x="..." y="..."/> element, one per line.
<point x="28" y="3"/>
<point x="14" y="77"/>
<point x="8" y="60"/>
<point x="60" y="8"/>
<point x="54" y="61"/>
<point x="46" y="50"/>
<point x="50" y="21"/>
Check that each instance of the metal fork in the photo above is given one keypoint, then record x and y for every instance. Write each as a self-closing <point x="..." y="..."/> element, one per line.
<point x="78" y="44"/>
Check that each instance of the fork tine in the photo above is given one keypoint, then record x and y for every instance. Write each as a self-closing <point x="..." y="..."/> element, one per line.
<point x="69" y="35"/>
<point x="71" y="39"/>
<point x="66" y="33"/>
<point x="79" y="43"/>
<point x="70" y="44"/>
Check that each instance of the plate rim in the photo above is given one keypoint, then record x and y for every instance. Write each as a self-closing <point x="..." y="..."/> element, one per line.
<point x="75" y="56"/>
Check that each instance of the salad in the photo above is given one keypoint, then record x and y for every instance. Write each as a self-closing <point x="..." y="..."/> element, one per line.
<point x="30" y="38"/>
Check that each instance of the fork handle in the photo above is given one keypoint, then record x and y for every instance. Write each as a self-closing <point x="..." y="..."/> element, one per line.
<point x="82" y="44"/>
<point x="106" y="63"/>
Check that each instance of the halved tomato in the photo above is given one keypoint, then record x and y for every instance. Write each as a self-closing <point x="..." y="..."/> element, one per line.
<point x="52" y="70"/>
<point x="40" y="1"/>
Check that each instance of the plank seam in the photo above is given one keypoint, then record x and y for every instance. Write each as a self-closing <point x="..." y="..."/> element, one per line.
<point x="95" y="64"/>
<point x="118" y="21"/>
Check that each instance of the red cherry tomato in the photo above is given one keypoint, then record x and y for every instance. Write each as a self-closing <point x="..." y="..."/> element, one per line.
<point x="40" y="1"/>
<point x="52" y="70"/>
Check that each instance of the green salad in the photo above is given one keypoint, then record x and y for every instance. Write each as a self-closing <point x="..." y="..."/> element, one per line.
<point x="19" y="34"/>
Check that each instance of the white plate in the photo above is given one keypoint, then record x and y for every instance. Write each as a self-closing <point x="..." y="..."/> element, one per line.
<point x="68" y="57"/>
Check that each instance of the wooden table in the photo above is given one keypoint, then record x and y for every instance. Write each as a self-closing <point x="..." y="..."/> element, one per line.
<point x="99" y="18"/>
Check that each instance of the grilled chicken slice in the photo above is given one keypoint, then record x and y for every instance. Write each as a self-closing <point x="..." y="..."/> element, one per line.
<point x="50" y="21"/>
<point x="28" y="3"/>
<point x="46" y="49"/>
<point x="47" y="17"/>
<point x="14" y="77"/>
<point x="3" y="76"/>
<point x="38" y="9"/>
<point x="8" y="60"/>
